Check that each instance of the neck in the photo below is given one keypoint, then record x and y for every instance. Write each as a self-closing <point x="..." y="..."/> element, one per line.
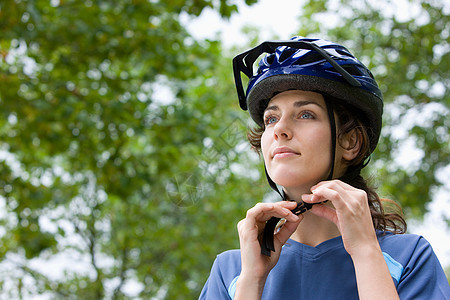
<point x="313" y="229"/>
<point x="295" y="193"/>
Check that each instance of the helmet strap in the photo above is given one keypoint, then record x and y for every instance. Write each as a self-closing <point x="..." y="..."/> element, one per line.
<point x="273" y="185"/>
<point x="330" y="112"/>
<point x="267" y="238"/>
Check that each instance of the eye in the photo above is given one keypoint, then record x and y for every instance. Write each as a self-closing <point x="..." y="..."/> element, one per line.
<point x="270" y="119"/>
<point x="306" y="115"/>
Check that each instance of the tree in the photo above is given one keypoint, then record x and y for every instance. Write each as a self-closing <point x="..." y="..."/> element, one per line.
<point x="117" y="138"/>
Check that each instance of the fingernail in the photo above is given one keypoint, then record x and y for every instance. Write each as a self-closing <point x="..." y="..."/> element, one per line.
<point x="306" y="197"/>
<point x="286" y="211"/>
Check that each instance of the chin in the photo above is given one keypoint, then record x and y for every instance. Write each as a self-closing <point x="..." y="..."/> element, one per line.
<point x="293" y="180"/>
<point x="289" y="178"/>
<point x="296" y="184"/>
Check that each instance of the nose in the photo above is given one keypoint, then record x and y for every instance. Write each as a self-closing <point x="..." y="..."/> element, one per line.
<point x="282" y="129"/>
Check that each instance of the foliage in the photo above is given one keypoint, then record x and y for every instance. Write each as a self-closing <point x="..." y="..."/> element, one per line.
<point x="117" y="137"/>
<point x="407" y="48"/>
<point x="447" y="273"/>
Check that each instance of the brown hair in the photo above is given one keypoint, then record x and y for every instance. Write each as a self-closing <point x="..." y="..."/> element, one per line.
<point x="386" y="214"/>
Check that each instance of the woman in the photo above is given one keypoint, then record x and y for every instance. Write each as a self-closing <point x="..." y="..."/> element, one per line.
<point x="318" y="111"/>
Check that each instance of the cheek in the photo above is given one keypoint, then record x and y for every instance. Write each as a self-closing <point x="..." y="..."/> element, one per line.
<point x="322" y="138"/>
<point x="316" y="143"/>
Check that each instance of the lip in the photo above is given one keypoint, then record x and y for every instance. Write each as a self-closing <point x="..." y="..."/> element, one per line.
<point x="281" y="152"/>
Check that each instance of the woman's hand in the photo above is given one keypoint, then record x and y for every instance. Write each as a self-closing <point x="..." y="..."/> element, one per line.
<point x="351" y="213"/>
<point x="255" y="266"/>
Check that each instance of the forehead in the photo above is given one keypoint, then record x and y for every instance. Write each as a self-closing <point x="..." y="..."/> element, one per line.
<point x="296" y="98"/>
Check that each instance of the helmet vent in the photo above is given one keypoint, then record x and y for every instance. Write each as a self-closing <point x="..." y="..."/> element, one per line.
<point x="342" y="52"/>
<point x="270" y="58"/>
<point x="286" y="54"/>
<point x="309" y="58"/>
<point x="352" y="70"/>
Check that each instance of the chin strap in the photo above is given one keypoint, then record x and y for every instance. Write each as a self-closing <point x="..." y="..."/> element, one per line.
<point x="267" y="244"/>
<point x="267" y="238"/>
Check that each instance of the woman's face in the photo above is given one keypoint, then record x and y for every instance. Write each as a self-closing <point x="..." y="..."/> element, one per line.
<point x="297" y="139"/>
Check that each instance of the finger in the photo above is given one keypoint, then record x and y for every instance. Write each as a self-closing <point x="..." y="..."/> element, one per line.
<point x="240" y="225"/>
<point x="246" y="231"/>
<point x="262" y="212"/>
<point x="334" y="191"/>
<point x="288" y="204"/>
<point x="351" y="202"/>
<point x="335" y="182"/>
<point x="319" y="196"/>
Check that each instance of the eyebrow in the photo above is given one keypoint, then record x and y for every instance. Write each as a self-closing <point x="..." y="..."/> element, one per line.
<point x="296" y="104"/>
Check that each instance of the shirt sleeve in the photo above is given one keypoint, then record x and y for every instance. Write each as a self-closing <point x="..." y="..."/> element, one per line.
<point x="222" y="278"/>
<point x="423" y="276"/>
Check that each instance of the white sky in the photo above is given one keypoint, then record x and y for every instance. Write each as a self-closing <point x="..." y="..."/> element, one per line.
<point x="271" y="17"/>
<point x="280" y="18"/>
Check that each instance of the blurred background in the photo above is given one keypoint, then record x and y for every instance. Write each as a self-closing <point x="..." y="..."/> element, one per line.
<point x="124" y="161"/>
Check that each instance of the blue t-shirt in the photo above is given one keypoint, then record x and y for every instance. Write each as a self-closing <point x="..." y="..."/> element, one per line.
<point x="326" y="271"/>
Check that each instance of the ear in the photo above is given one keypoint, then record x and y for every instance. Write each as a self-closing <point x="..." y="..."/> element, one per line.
<point x="351" y="144"/>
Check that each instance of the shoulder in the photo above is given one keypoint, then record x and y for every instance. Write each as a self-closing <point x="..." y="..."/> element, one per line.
<point x="228" y="265"/>
<point x="230" y="259"/>
<point x="405" y="248"/>
<point x="403" y="243"/>
<point x="414" y="266"/>
<point x="230" y="255"/>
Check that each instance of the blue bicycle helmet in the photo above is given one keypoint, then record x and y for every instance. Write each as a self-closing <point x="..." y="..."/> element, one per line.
<point x="311" y="65"/>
